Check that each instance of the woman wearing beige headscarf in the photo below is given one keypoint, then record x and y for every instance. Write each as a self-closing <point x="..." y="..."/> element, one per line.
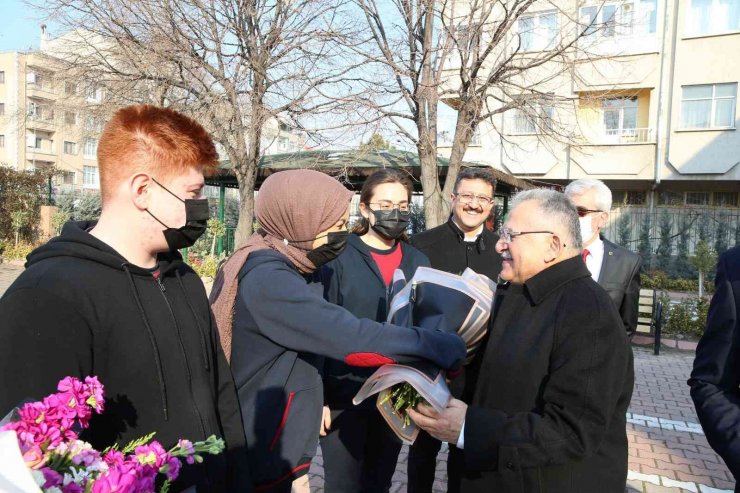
<point x="275" y="327"/>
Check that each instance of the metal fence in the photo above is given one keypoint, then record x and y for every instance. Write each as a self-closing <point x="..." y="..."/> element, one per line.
<point x="680" y="229"/>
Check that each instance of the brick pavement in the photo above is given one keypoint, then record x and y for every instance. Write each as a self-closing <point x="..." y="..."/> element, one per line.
<point x="668" y="451"/>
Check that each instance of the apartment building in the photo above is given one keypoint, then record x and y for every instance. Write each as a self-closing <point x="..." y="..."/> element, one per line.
<point x="656" y="114"/>
<point x="48" y="121"/>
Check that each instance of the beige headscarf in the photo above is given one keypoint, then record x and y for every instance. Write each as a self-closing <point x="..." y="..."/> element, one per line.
<point x="293" y="205"/>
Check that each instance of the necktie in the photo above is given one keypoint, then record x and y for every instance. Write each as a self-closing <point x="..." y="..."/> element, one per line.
<point x="585" y="254"/>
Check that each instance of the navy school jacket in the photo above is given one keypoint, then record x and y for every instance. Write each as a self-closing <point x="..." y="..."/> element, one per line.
<point x="354" y="281"/>
<point x="282" y="329"/>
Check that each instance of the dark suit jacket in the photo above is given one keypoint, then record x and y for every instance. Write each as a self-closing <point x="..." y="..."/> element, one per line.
<point x="551" y="389"/>
<point x="716" y="375"/>
<point x="620" y="277"/>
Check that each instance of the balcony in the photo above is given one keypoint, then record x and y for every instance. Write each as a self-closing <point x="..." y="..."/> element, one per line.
<point x="623" y="136"/>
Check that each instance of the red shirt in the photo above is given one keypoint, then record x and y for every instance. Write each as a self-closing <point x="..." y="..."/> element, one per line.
<point x="388" y="261"/>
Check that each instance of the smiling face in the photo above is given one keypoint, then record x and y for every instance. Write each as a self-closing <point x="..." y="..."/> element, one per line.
<point x="527" y="255"/>
<point x="470" y="216"/>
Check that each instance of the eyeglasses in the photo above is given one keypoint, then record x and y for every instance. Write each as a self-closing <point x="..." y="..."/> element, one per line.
<point x="467" y="198"/>
<point x="583" y="212"/>
<point x="387" y="205"/>
<point x="507" y="235"/>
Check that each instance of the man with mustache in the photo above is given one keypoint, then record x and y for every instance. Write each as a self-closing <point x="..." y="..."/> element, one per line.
<point x="548" y="391"/>
<point x="462" y="242"/>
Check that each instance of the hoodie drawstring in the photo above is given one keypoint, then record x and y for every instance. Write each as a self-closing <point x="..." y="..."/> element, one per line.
<point x="203" y="345"/>
<point x="152" y="340"/>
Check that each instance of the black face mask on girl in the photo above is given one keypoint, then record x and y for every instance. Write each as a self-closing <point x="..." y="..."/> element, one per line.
<point x="335" y="243"/>
<point x="390" y="224"/>
<point x="196" y="222"/>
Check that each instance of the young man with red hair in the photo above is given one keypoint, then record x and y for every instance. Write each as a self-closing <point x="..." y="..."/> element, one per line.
<point x="114" y="299"/>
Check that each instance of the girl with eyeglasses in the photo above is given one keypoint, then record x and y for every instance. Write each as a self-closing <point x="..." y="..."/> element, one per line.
<point x="360" y="451"/>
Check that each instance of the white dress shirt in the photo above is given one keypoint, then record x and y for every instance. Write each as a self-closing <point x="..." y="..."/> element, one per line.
<point x="595" y="258"/>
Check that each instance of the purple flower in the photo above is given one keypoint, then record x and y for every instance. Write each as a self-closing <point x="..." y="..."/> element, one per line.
<point x="172" y="468"/>
<point x="96" y="394"/>
<point x="114" y="458"/>
<point x="152" y="454"/>
<point x="187" y="447"/>
<point x="118" y="479"/>
<point x="51" y="477"/>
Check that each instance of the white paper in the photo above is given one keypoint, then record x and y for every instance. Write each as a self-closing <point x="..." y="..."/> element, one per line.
<point x="15" y="477"/>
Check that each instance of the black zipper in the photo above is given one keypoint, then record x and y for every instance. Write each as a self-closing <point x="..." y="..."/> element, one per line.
<point x="184" y="355"/>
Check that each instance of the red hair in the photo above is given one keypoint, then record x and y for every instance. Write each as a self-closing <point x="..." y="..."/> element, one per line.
<point x="149" y="139"/>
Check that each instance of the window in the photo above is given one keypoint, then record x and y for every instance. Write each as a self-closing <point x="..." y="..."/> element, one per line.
<point x="90" y="176"/>
<point x="712" y="17"/>
<point x="697" y="198"/>
<point x="620" y="19"/>
<point x="724" y="199"/>
<point x="2" y="77"/>
<point x="2" y="109"/>
<point x="2" y="141"/>
<point x="91" y="149"/>
<point x="70" y="148"/>
<point x="538" y="32"/>
<point x="70" y="88"/>
<point x="670" y="198"/>
<point x="94" y="94"/>
<point x="70" y="117"/>
<point x="620" y="198"/>
<point x="34" y="110"/>
<point x="283" y="144"/>
<point x="68" y="178"/>
<point x="33" y="141"/>
<point x="92" y="124"/>
<point x="708" y="106"/>
<point x="619" y="116"/>
<point x="534" y="119"/>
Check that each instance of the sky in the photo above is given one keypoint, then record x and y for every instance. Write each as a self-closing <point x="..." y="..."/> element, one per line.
<point x="19" y="27"/>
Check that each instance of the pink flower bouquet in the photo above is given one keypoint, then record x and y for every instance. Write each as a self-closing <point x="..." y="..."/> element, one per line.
<point x="47" y="444"/>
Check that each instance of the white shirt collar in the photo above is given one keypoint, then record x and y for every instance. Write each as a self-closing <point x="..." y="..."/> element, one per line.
<point x="465" y="235"/>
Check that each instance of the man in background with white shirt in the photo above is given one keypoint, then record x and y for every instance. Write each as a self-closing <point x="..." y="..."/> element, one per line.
<point x="615" y="268"/>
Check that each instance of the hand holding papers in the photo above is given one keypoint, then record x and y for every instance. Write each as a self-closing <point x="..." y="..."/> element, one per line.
<point x="431" y="299"/>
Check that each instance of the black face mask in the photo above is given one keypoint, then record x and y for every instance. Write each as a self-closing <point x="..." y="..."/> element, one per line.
<point x="391" y="224"/>
<point x="196" y="222"/>
<point x="334" y="245"/>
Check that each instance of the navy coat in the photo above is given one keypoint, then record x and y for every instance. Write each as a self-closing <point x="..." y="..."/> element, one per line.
<point x="716" y="375"/>
<point x="282" y="328"/>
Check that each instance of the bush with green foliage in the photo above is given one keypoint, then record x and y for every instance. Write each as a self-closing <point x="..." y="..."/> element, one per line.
<point x="21" y="195"/>
<point x="665" y="243"/>
<point x="206" y="266"/>
<point x="17" y="252"/>
<point x="660" y="280"/>
<point x="624" y="233"/>
<point x="644" y="247"/>
<point x="686" y="318"/>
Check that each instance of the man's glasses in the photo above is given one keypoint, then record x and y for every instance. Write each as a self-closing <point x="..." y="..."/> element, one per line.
<point x="387" y="205"/>
<point x="583" y="212"/>
<point x="467" y="198"/>
<point x="507" y="235"/>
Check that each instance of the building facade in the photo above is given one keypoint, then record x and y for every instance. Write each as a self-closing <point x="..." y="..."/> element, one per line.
<point x="656" y="112"/>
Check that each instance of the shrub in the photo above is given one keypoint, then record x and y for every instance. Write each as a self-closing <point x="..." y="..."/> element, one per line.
<point x="205" y="266"/>
<point x="686" y="318"/>
<point x="17" y="252"/>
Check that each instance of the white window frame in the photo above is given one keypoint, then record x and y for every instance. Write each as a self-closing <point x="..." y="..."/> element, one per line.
<point x="74" y="118"/>
<point x="2" y="76"/>
<point x="636" y="17"/>
<point x="90" y="177"/>
<point x="2" y="140"/>
<point x="717" y="20"/>
<point x="525" y="124"/>
<point x="713" y="110"/>
<point x="621" y="130"/>
<point x="73" y="147"/>
<point x="539" y="40"/>
<point x="91" y="148"/>
<point x="2" y="109"/>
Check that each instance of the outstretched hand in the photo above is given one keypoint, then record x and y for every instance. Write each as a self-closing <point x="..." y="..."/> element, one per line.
<point x="445" y="425"/>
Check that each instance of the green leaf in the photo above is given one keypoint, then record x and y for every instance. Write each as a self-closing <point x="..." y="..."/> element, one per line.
<point x="139" y="441"/>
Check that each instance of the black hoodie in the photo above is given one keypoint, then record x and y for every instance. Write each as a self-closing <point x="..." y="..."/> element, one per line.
<point x="81" y="309"/>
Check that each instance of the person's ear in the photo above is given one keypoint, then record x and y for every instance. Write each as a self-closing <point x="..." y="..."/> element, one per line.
<point x="365" y="211"/>
<point x="140" y="189"/>
<point x="554" y="249"/>
<point x="603" y="219"/>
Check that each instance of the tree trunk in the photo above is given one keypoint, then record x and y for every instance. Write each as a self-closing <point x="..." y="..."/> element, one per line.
<point x="701" y="283"/>
<point x="244" y="228"/>
<point x="17" y="237"/>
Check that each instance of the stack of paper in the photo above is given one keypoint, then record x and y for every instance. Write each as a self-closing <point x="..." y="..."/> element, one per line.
<point x="432" y="299"/>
